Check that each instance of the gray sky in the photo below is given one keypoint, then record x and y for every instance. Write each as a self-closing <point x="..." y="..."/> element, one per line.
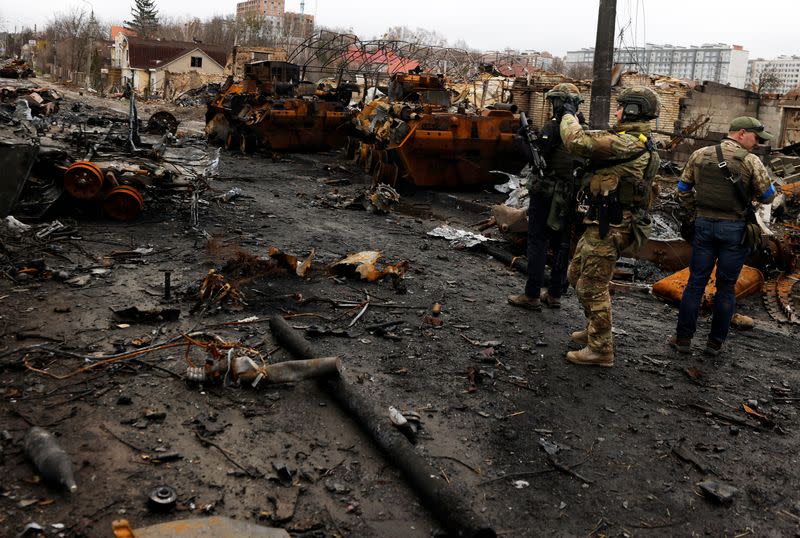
<point x="766" y="29"/>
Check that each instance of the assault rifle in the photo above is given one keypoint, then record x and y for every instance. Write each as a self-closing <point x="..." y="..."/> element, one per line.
<point x="531" y="146"/>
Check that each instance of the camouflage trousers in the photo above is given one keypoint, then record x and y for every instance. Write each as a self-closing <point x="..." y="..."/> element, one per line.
<point x="590" y="273"/>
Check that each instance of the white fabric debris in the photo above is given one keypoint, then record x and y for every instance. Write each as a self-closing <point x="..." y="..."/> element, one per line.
<point x="16" y="226"/>
<point x="513" y="182"/>
<point x="458" y="238"/>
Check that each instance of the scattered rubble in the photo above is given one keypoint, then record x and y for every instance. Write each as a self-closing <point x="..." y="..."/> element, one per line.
<point x="193" y="406"/>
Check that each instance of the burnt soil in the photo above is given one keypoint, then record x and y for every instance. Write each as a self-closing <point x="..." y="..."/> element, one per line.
<point x="490" y="383"/>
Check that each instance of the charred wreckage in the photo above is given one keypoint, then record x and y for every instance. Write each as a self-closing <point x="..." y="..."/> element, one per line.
<point x="68" y="158"/>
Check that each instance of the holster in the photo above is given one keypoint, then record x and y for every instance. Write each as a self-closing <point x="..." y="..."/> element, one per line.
<point x="606" y="210"/>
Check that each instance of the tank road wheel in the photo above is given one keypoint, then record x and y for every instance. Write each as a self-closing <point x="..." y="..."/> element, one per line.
<point x="83" y="180"/>
<point x="123" y="203"/>
<point x="232" y="141"/>
<point x="162" y="122"/>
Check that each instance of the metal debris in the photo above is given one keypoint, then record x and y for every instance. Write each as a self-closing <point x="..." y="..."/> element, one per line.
<point x="458" y="238"/>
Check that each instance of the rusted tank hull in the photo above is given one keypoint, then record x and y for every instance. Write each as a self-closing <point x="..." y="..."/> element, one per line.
<point x="300" y="125"/>
<point x="444" y="150"/>
<point x="463" y="155"/>
<point x="253" y="114"/>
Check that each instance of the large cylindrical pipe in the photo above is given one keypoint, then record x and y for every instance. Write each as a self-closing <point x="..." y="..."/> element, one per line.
<point x="440" y="498"/>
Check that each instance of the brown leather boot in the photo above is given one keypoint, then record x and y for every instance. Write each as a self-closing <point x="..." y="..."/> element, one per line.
<point x="581" y="337"/>
<point x="588" y="357"/>
<point x="531" y="303"/>
<point x="549" y="301"/>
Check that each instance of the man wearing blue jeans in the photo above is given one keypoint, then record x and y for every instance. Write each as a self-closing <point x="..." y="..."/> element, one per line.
<point x="707" y="191"/>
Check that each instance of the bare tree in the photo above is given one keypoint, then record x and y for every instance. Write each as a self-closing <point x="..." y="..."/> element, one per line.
<point x="768" y="80"/>
<point x="558" y="66"/>
<point x="421" y="36"/>
<point x="68" y="38"/>
<point x="579" y="71"/>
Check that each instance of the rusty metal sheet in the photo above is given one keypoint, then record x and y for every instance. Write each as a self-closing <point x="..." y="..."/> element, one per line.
<point x="208" y="527"/>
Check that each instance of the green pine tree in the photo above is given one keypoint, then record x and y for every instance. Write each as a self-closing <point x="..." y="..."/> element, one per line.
<point x="145" y="18"/>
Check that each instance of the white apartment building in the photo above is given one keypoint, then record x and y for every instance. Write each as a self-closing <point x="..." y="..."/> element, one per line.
<point x="785" y="68"/>
<point x="725" y="64"/>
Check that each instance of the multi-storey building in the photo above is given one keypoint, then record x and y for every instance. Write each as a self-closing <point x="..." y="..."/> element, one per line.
<point x="261" y="8"/>
<point x="782" y="74"/>
<point x="725" y="64"/>
<point x="298" y="24"/>
<point x="274" y="11"/>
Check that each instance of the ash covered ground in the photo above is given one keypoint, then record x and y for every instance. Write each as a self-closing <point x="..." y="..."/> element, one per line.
<point x="535" y="445"/>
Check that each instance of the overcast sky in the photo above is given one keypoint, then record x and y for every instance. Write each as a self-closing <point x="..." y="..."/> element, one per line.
<point x="766" y="29"/>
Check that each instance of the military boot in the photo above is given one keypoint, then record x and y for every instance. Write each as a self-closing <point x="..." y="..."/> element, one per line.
<point x="550" y="301"/>
<point x="580" y="337"/>
<point x="531" y="303"/>
<point x="588" y="357"/>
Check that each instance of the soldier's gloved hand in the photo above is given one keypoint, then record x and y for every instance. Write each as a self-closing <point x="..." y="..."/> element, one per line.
<point x="581" y="118"/>
<point x="602" y="185"/>
<point x="569" y="107"/>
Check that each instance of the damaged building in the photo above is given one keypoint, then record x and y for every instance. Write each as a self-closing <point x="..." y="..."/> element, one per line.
<point x="161" y="68"/>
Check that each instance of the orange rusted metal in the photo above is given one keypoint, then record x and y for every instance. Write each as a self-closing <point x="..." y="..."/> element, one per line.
<point x="123" y="203"/>
<point x="209" y="527"/>
<point x="671" y="288"/>
<point x="411" y="136"/>
<point x="83" y="180"/>
<point x="278" y="116"/>
<point x="444" y="149"/>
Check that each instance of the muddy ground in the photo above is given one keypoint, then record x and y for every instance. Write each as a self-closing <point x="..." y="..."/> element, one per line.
<point x="631" y="443"/>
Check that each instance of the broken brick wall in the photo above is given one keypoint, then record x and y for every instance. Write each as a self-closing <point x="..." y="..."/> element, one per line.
<point x="529" y="96"/>
<point x="781" y="117"/>
<point x="721" y="103"/>
<point x="176" y="83"/>
<point x="681" y="105"/>
<point x="528" y="93"/>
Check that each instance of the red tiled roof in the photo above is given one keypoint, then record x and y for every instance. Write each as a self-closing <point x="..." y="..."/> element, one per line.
<point x="393" y="62"/>
<point x="120" y="30"/>
<point x="152" y="53"/>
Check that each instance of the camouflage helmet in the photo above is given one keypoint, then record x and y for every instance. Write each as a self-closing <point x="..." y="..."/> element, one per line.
<point x="639" y="103"/>
<point x="565" y="91"/>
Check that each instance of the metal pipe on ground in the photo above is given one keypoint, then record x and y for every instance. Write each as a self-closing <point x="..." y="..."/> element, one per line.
<point x="440" y="497"/>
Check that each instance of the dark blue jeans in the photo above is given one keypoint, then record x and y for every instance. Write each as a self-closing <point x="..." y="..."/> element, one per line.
<point x="717" y="241"/>
<point x="540" y="237"/>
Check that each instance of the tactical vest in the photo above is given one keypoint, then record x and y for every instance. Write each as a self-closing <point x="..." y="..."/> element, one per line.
<point x="714" y="191"/>
<point x="560" y="163"/>
<point x="636" y="192"/>
<point x="558" y="175"/>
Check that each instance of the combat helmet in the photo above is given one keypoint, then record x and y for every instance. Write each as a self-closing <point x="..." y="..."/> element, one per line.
<point x="565" y="91"/>
<point x="639" y="103"/>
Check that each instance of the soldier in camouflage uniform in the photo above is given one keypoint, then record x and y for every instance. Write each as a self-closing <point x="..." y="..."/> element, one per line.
<point x="623" y="160"/>
<point x="708" y="193"/>
<point x="550" y="211"/>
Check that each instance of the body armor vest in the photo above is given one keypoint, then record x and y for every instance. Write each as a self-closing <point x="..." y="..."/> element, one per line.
<point x="714" y="191"/>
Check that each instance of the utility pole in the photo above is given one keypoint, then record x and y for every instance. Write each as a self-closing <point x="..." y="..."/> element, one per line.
<point x="600" y="105"/>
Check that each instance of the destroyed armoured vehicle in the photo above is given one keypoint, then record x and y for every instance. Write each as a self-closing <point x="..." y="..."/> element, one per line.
<point x="272" y="110"/>
<point x="417" y="137"/>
